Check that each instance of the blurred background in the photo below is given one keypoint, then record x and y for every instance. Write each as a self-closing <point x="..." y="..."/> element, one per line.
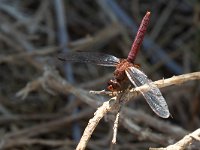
<point x="33" y="32"/>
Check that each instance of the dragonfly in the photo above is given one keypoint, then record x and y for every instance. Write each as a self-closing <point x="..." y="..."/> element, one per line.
<point x="126" y="71"/>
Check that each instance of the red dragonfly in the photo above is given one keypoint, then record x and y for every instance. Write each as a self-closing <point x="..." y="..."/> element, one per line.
<point x="126" y="70"/>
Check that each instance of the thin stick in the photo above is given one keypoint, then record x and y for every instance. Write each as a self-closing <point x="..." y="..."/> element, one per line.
<point x="175" y="80"/>
<point x="101" y="111"/>
<point x="183" y="143"/>
<point x="106" y="107"/>
<point x="39" y="52"/>
<point x="115" y="127"/>
<point x="55" y="82"/>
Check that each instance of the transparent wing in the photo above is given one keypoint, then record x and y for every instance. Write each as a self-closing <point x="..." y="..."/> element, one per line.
<point x="153" y="97"/>
<point x="90" y="57"/>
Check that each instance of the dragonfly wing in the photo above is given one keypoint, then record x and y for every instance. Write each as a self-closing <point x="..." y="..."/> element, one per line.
<point x="153" y="97"/>
<point x="90" y="57"/>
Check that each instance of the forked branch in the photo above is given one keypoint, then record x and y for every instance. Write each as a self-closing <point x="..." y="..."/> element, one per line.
<point x="51" y="80"/>
<point x="112" y="103"/>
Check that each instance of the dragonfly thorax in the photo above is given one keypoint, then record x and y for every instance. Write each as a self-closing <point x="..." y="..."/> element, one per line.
<point x="120" y="80"/>
<point x="119" y="73"/>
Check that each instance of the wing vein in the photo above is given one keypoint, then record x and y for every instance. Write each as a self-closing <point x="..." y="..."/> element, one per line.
<point x="153" y="97"/>
<point x="90" y="57"/>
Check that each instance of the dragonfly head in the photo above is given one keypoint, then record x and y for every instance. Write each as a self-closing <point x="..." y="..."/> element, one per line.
<point x="113" y="85"/>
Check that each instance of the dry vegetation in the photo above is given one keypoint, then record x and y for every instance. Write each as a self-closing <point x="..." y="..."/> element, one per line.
<point x="45" y="104"/>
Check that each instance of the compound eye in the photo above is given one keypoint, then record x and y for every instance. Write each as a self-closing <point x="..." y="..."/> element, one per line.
<point x="110" y="88"/>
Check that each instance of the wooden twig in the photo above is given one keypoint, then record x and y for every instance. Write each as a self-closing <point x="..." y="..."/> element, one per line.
<point x="13" y="12"/>
<point x="27" y="27"/>
<point x="162" y="126"/>
<point x="53" y="81"/>
<point x="183" y="143"/>
<point x="106" y="107"/>
<point x="98" y="115"/>
<point x="40" y="129"/>
<point x="115" y="127"/>
<point x="27" y="141"/>
<point x="33" y="23"/>
<point x="15" y="57"/>
<point x="143" y="134"/>
<point x="175" y="80"/>
<point x="10" y="119"/>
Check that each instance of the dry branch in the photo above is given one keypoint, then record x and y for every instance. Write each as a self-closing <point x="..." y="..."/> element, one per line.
<point x="175" y="80"/>
<point x="106" y="107"/>
<point x="183" y="143"/>
<point x="40" y="52"/>
<point x="141" y="117"/>
<point x="53" y="81"/>
<point x="46" y="127"/>
<point x="28" y="40"/>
